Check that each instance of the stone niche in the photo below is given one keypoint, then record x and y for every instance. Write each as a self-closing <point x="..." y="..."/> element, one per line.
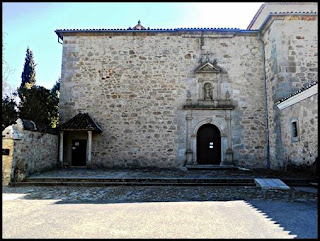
<point x="209" y="94"/>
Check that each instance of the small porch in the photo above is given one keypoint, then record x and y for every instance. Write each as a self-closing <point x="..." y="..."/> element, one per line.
<point x="75" y="141"/>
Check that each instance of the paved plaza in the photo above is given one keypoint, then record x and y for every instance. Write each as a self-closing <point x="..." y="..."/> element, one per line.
<point x="158" y="212"/>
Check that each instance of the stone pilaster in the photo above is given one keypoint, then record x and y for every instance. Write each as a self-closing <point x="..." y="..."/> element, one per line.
<point x="229" y="153"/>
<point x="189" y="152"/>
<point x="89" y="149"/>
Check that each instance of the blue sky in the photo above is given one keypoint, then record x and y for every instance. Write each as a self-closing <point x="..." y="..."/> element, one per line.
<point x="33" y="24"/>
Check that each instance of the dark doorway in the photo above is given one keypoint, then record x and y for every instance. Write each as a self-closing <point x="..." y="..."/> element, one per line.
<point x="208" y="145"/>
<point x="79" y="152"/>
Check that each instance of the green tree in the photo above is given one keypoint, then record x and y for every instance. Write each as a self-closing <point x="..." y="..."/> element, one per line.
<point x="9" y="113"/>
<point x="28" y="76"/>
<point x="36" y="104"/>
<point x="55" y="95"/>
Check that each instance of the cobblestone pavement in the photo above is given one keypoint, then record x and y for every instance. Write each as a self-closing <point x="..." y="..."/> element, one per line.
<point x="116" y="194"/>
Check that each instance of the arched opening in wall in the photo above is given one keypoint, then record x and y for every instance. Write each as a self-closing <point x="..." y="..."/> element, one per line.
<point x="208" y="145"/>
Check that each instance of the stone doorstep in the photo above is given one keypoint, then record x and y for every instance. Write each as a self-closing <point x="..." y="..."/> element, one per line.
<point x="269" y="183"/>
<point x="212" y="167"/>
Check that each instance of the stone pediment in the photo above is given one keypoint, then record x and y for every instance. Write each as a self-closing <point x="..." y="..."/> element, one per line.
<point x="208" y="68"/>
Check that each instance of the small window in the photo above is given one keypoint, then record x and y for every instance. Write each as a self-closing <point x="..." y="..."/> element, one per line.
<point x="294" y="130"/>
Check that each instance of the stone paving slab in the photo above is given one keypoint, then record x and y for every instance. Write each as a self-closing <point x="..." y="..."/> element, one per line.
<point x="270" y="183"/>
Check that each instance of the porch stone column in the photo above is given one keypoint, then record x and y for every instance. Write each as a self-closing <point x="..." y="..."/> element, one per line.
<point x="89" y="149"/>
<point x="61" y="150"/>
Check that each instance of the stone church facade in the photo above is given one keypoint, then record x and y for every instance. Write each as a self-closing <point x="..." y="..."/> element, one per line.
<point x="180" y="98"/>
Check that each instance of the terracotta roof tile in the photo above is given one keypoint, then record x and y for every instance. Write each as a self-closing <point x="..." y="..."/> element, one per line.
<point x="80" y="122"/>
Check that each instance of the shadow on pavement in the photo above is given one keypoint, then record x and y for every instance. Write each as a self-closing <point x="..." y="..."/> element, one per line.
<point x="300" y="218"/>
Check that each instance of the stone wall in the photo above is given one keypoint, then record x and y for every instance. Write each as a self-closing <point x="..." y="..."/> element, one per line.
<point x="303" y="151"/>
<point x="36" y="152"/>
<point x="135" y="86"/>
<point x="30" y="152"/>
<point x="7" y="171"/>
<point x="291" y="56"/>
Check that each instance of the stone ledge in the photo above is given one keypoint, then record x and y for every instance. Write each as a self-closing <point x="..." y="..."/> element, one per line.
<point x="268" y="183"/>
<point x="207" y="107"/>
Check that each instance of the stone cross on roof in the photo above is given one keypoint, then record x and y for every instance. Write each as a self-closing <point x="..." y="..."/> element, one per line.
<point x="205" y="58"/>
<point x="139" y="26"/>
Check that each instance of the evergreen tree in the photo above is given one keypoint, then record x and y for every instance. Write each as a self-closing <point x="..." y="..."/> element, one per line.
<point x="28" y="75"/>
<point x="55" y="90"/>
<point x="55" y="94"/>
<point x="36" y="104"/>
<point x="9" y="113"/>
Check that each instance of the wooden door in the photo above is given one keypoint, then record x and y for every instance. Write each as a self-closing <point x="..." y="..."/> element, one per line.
<point x="208" y="145"/>
<point x="79" y="152"/>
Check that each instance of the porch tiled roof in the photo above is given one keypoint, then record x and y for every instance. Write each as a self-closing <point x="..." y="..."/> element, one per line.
<point x="80" y="122"/>
<point x="308" y="86"/>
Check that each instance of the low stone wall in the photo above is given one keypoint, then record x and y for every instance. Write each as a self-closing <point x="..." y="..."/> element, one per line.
<point x="29" y="152"/>
<point x="303" y="150"/>
<point x="7" y="171"/>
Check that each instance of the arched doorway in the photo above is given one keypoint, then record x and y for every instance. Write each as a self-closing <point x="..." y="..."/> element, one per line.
<point x="208" y="145"/>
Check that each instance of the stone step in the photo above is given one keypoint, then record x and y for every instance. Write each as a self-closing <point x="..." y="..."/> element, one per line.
<point x="73" y="181"/>
<point x="142" y="180"/>
<point x="211" y="167"/>
<point x="302" y="182"/>
<point x="100" y="184"/>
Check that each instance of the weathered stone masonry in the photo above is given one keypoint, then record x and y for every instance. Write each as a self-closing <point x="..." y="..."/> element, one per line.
<point x="135" y="86"/>
<point x="30" y="151"/>
<point x="305" y="150"/>
<point x="151" y="90"/>
<point x="291" y="54"/>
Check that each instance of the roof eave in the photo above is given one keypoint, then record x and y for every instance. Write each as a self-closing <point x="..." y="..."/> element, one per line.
<point x="60" y="32"/>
